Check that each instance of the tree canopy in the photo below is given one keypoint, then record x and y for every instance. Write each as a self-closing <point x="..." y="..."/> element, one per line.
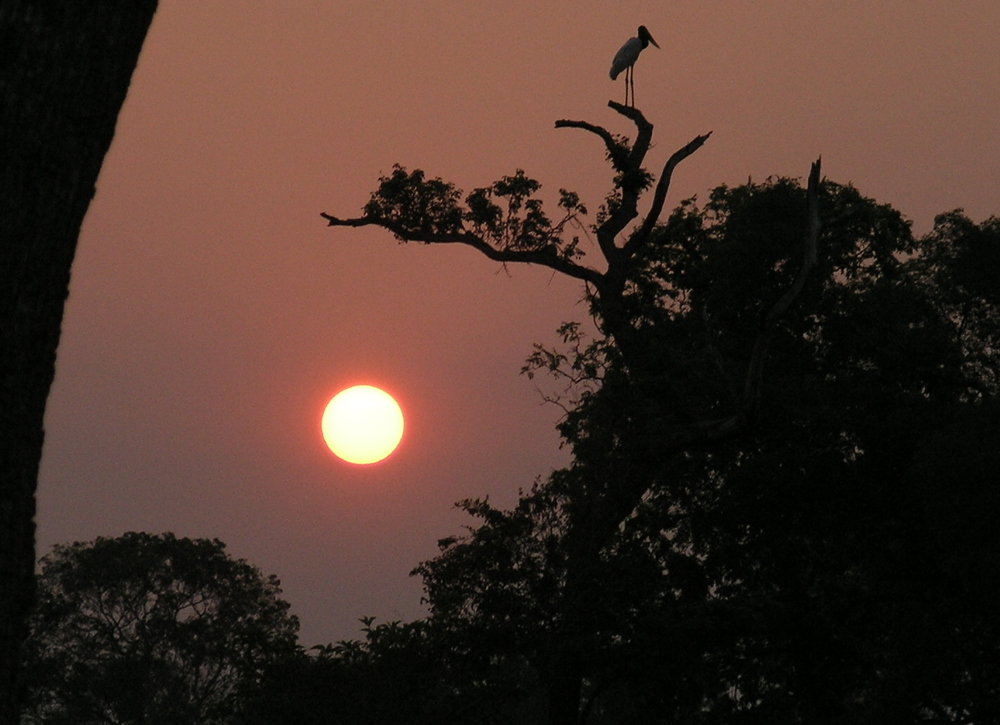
<point x="151" y="629"/>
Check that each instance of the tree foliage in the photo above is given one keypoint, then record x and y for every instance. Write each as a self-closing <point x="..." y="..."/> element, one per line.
<point x="151" y="629"/>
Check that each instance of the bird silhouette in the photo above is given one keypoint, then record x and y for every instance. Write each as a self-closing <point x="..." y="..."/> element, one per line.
<point x="626" y="57"/>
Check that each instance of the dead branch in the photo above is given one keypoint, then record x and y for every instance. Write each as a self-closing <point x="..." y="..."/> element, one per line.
<point x="631" y="174"/>
<point x="644" y="135"/>
<point x="660" y="195"/>
<point x="629" y="183"/>
<point x="755" y="371"/>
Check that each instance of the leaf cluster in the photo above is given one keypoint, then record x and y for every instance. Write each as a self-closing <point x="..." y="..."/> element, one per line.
<point x="415" y="205"/>
<point x="507" y="214"/>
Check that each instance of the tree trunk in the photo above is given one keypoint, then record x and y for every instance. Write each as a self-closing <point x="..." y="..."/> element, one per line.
<point x="565" y="687"/>
<point x="65" y="68"/>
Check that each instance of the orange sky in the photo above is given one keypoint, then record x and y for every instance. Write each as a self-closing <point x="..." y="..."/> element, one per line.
<point x="212" y="314"/>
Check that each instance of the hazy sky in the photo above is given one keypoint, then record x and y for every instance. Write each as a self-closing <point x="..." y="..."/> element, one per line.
<point x="212" y="313"/>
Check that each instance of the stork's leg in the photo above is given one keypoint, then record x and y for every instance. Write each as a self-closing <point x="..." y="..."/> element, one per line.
<point x="631" y="81"/>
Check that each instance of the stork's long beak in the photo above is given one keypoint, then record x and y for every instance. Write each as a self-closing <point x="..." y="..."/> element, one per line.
<point x="653" y="41"/>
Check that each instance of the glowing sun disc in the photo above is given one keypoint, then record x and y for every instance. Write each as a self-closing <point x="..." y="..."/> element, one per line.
<point x="362" y="424"/>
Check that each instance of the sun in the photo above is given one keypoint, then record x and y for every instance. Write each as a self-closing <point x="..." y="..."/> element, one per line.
<point x="362" y="424"/>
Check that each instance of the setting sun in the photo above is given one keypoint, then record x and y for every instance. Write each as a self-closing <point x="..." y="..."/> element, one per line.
<point x="362" y="424"/>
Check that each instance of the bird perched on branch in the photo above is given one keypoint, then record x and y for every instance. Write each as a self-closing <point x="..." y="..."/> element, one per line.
<point x="626" y="57"/>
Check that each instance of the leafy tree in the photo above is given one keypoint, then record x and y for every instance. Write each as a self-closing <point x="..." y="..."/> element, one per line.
<point x="64" y="71"/>
<point x="151" y="629"/>
<point x="805" y="572"/>
<point x="729" y="545"/>
<point x="818" y="524"/>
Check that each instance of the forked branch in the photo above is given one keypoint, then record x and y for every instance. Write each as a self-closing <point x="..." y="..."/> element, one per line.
<point x="644" y="129"/>
<point x="631" y="182"/>
<point x="660" y="194"/>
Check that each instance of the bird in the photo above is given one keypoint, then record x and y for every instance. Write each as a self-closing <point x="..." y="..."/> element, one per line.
<point x="626" y="57"/>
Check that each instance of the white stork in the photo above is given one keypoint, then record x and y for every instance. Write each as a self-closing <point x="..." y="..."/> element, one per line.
<point x="626" y="57"/>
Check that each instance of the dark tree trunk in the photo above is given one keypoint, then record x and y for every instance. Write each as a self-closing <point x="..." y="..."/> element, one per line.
<point x="564" y="691"/>
<point x="65" y="68"/>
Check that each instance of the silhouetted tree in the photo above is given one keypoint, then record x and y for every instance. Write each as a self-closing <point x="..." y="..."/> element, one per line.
<point x="506" y="223"/>
<point x="64" y="71"/>
<point x="729" y="545"/>
<point x="151" y="629"/>
<point x="835" y="563"/>
<point x="817" y="526"/>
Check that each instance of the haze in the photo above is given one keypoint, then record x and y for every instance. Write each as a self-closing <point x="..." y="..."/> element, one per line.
<point x="213" y="314"/>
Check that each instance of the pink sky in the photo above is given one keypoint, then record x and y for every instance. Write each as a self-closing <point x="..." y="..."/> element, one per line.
<point x="212" y="313"/>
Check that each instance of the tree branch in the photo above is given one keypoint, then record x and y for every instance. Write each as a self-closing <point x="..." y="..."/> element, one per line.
<point x="547" y="256"/>
<point x="660" y="195"/>
<point x="632" y="181"/>
<point x="755" y="371"/>
<point x="644" y="129"/>
<point x="616" y="149"/>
